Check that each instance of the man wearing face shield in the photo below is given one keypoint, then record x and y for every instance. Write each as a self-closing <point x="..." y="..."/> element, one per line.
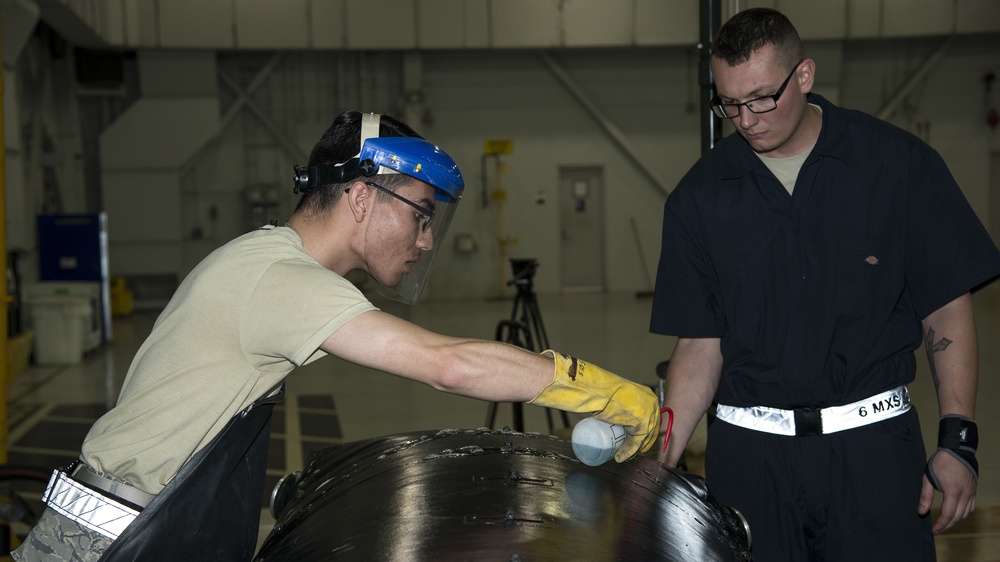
<point x="176" y="469"/>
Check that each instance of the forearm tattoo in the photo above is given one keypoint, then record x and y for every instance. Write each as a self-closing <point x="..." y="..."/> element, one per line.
<point x="932" y="348"/>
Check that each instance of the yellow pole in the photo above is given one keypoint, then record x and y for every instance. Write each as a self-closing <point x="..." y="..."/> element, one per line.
<point x="4" y="375"/>
<point x="500" y="197"/>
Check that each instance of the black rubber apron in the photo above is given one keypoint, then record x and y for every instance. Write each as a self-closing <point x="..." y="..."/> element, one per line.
<point x="211" y="509"/>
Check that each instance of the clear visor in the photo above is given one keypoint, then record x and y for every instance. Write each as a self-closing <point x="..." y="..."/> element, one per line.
<point x="410" y="287"/>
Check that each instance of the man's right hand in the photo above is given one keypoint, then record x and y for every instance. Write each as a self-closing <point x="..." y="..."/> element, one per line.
<point x="579" y="386"/>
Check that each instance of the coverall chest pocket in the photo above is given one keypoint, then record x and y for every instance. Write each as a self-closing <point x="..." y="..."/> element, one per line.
<point x="868" y="275"/>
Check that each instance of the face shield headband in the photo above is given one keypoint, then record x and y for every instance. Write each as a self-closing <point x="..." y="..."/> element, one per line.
<point x="413" y="157"/>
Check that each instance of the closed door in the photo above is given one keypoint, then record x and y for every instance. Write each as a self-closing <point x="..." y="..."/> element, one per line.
<point x="581" y="220"/>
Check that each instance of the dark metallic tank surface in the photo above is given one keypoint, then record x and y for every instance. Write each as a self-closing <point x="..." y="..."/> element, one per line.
<point x="494" y="495"/>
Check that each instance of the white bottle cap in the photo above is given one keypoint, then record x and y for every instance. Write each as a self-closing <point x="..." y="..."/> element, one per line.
<point x="595" y="442"/>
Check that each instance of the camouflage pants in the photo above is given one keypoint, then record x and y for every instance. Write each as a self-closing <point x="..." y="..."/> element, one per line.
<point x="58" y="538"/>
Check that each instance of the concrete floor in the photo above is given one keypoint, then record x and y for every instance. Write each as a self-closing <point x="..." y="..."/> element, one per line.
<point x="331" y="401"/>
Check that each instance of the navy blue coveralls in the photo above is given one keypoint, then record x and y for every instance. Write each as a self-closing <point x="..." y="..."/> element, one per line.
<point x="817" y="298"/>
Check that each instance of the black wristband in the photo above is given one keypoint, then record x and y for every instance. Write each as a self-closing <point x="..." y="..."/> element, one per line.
<point x="958" y="436"/>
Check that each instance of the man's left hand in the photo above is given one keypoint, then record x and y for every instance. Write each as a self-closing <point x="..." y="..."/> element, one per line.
<point x="958" y="490"/>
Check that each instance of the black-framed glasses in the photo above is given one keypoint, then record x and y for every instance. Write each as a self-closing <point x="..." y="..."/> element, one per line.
<point x="424" y="215"/>
<point x="762" y="104"/>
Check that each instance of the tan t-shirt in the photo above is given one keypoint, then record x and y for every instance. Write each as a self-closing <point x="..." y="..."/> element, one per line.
<point x="238" y="324"/>
<point x="786" y="169"/>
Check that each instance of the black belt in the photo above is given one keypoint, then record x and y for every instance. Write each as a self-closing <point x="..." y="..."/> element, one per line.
<point x="808" y="422"/>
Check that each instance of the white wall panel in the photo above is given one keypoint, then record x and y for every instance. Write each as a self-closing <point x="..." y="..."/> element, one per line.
<point x="381" y="24"/>
<point x="12" y="110"/>
<point x="142" y="206"/>
<point x="328" y="24"/>
<point x="205" y="24"/>
<point x="111" y="15"/>
<point x="526" y="23"/>
<point x="451" y="24"/>
<point x="596" y="23"/>
<point x="159" y="133"/>
<point x="16" y="26"/>
<point x="177" y="73"/>
<point x="144" y="221"/>
<point x="918" y="17"/>
<point x="142" y="23"/>
<point x="20" y="212"/>
<point x="666" y="22"/>
<point x="266" y="24"/>
<point x="816" y="19"/>
<point x="977" y="16"/>
<point x="130" y="22"/>
<point x="456" y="24"/>
<point x="828" y="56"/>
<point x="477" y="24"/>
<point x="178" y="114"/>
<point x="151" y="258"/>
<point x="864" y="19"/>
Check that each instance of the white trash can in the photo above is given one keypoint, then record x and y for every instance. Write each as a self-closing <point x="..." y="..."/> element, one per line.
<point x="60" y="327"/>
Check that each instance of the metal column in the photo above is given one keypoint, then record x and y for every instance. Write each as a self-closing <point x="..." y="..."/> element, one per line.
<point x="710" y="20"/>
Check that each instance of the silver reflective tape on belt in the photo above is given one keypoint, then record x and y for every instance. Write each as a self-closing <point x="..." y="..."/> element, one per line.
<point x="88" y="508"/>
<point x="870" y="410"/>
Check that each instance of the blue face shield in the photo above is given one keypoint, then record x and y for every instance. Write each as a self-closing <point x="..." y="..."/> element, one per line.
<point x="410" y="156"/>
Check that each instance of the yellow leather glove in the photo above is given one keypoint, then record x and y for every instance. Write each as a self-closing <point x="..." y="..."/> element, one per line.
<point x="579" y="386"/>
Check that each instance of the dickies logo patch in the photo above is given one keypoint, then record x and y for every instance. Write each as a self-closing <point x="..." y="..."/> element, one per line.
<point x="871" y="260"/>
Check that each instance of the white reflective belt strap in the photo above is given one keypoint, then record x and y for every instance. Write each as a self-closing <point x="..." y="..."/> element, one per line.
<point x="88" y="508"/>
<point x="888" y="404"/>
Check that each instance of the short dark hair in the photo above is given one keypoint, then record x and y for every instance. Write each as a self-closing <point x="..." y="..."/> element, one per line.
<point x="340" y="143"/>
<point x="748" y="31"/>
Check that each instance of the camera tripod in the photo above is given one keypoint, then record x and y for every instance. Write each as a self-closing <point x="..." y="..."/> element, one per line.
<point x="524" y="329"/>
